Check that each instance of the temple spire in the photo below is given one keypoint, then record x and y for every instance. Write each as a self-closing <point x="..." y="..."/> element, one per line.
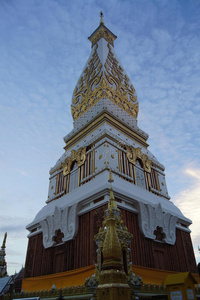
<point x="103" y="83"/>
<point x="113" y="266"/>
<point x="3" y="265"/>
<point x="4" y="241"/>
<point x="111" y="246"/>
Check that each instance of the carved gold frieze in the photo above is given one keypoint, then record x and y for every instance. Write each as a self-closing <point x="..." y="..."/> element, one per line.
<point x="116" y="78"/>
<point x="79" y="156"/>
<point x="109" y="82"/>
<point x="103" y="33"/>
<point x="134" y="153"/>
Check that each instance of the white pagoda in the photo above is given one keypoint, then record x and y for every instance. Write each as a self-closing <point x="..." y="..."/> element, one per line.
<point x="105" y="137"/>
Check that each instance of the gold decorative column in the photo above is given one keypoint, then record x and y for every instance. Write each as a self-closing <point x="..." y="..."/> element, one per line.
<point x="112" y="278"/>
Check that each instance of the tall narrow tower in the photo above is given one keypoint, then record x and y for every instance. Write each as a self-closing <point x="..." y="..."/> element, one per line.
<point x="3" y="265"/>
<point x="106" y="136"/>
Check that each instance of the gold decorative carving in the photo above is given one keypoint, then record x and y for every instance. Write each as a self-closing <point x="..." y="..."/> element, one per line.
<point x="109" y="82"/>
<point x="79" y="156"/>
<point x="113" y="270"/>
<point x="103" y="33"/>
<point x="134" y="153"/>
<point x="115" y="77"/>
<point x="146" y="163"/>
<point x="131" y="154"/>
<point x="111" y="246"/>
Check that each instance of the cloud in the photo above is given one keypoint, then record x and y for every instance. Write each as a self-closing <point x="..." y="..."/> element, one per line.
<point x="12" y="252"/>
<point x="23" y="173"/>
<point x="188" y="201"/>
<point x="12" y="228"/>
<point x="14" y="264"/>
<point x="44" y="51"/>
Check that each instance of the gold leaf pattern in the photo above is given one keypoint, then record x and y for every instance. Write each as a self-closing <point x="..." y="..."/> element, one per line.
<point x="79" y="156"/>
<point x="134" y="153"/>
<point x="103" y="33"/>
<point x="98" y="82"/>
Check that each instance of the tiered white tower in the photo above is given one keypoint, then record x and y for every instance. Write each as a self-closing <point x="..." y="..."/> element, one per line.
<point x="106" y="136"/>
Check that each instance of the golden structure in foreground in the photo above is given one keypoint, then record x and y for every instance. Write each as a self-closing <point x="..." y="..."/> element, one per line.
<point x="113" y="270"/>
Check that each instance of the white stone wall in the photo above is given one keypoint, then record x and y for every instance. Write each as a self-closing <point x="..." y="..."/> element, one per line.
<point x="52" y="187"/>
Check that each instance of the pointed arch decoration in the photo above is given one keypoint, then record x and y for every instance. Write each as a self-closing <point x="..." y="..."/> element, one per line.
<point x="135" y="153"/>
<point x="79" y="156"/>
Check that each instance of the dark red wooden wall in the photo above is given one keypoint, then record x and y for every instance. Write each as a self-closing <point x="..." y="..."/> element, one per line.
<point x="81" y="251"/>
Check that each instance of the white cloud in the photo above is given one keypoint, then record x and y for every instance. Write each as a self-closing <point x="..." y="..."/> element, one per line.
<point x="188" y="201"/>
<point x="44" y="51"/>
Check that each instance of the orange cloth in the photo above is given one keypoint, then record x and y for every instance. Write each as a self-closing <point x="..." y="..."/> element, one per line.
<point x="155" y="276"/>
<point x="78" y="276"/>
<point x="61" y="280"/>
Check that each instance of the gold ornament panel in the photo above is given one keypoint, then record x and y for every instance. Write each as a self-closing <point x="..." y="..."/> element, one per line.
<point x="134" y="153"/>
<point x="102" y="33"/>
<point x="108" y="82"/>
<point x="79" y="156"/>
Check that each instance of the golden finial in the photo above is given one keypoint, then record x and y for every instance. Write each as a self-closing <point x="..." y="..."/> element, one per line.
<point x="110" y="177"/>
<point x="4" y="241"/>
<point x="112" y="203"/>
<point x="101" y="21"/>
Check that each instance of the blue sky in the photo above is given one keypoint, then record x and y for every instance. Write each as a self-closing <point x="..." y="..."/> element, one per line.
<point x="43" y="49"/>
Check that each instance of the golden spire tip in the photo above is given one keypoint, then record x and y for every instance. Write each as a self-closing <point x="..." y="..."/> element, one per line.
<point x="4" y="241"/>
<point x="101" y="21"/>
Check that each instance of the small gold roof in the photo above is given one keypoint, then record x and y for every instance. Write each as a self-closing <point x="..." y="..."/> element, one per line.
<point x="179" y="278"/>
<point x="102" y="32"/>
